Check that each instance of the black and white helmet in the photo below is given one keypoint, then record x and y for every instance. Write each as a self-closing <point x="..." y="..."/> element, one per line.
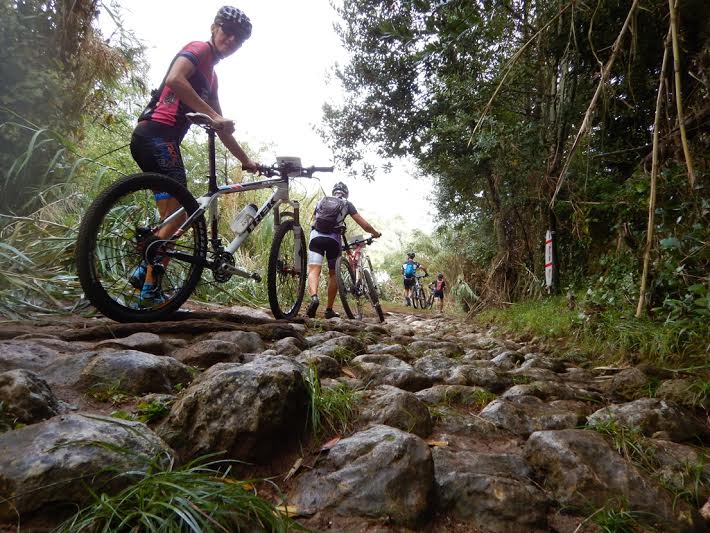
<point x="235" y="20"/>
<point x="341" y="188"/>
<point x="411" y="255"/>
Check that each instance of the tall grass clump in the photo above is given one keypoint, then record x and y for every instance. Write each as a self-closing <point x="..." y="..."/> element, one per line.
<point x="330" y="409"/>
<point x="198" y="497"/>
<point x="610" y="334"/>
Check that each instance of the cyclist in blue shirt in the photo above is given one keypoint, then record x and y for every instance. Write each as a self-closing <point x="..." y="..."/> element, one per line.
<point x="409" y="269"/>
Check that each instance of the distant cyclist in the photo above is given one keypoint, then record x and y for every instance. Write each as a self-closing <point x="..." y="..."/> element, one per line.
<point x="190" y="85"/>
<point x="409" y="269"/>
<point x="437" y="288"/>
<point x="326" y="241"/>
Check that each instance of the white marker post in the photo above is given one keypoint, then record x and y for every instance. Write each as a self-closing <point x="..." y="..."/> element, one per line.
<point x="549" y="262"/>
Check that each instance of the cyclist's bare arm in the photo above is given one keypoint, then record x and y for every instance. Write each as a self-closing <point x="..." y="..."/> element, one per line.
<point x="231" y="143"/>
<point x="364" y="224"/>
<point x="178" y="81"/>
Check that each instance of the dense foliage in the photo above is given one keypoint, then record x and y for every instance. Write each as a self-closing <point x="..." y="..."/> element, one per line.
<point x="420" y="78"/>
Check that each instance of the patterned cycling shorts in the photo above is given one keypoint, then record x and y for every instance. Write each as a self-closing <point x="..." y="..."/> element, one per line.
<point x="161" y="155"/>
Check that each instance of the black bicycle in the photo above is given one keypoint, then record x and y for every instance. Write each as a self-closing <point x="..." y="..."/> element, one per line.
<point x="419" y="297"/>
<point x="122" y="238"/>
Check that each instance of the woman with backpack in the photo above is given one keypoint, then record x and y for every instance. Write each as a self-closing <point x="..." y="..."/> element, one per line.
<point x="326" y="240"/>
<point x="438" y="287"/>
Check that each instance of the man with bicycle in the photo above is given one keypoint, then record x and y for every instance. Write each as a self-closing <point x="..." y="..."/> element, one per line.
<point x="326" y="241"/>
<point x="409" y="270"/>
<point x="190" y="85"/>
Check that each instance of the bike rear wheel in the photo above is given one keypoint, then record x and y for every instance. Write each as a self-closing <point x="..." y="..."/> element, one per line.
<point x="372" y="294"/>
<point x="285" y="282"/>
<point x="347" y="288"/>
<point x="117" y="238"/>
<point x="415" y="299"/>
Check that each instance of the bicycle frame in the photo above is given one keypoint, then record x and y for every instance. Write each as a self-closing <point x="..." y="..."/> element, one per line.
<point x="208" y="203"/>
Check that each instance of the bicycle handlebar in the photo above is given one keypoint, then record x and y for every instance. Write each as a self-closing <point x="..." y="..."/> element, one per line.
<point x="352" y="244"/>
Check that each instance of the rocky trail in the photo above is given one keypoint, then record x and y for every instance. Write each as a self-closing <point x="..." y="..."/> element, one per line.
<point x="453" y="428"/>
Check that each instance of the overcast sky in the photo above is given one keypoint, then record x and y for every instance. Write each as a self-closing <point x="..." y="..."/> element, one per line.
<point x="275" y="85"/>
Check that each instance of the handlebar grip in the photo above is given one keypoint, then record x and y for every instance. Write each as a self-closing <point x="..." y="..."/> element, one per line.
<point x="321" y="169"/>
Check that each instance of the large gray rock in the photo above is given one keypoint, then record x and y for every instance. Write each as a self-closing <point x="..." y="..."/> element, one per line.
<point x="453" y="394"/>
<point x="382" y="472"/>
<point x="26" y="354"/>
<point x="248" y="341"/>
<point x="26" y="397"/>
<point x="343" y="348"/>
<point x="396" y="408"/>
<point x="134" y="372"/>
<point x="320" y="338"/>
<point x="209" y="352"/>
<point x="528" y="414"/>
<point x="582" y="470"/>
<point x="51" y="462"/>
<point x="445" y="348"/>
<point x="142" y="342"/>
<point x="681" y="391"/>
<point x="388" y="370"/>
<point x="245" y="410"/>
<point x="326" y="366"/>
<point x="443" y="370"/>
<point x="490" y="491"/>
<point x="289" y="346"/>
<point x="650" y="415"/>
<point x="550" y="390"/>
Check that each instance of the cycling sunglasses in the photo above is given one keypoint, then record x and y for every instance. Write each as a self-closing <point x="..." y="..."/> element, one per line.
<point x="233" y="31"/>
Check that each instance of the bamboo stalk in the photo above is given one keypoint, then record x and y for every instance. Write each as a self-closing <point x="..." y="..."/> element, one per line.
<point x="509" y="68"/>
<point x="588" y="115"/>
<point x="678" y="96"/>
<point x="654" y="175"/>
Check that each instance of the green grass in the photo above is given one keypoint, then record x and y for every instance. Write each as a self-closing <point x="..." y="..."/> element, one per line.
<point x="685" y="483"/>
<point x="108" y="393"/>
<point x="343" y="355"/>
<point x="330" y="409"/>
<point x="629" y="442"/>
<point x="609" y="335"/>
<point x="615" y="518"/>
<point x="199" y="496"/>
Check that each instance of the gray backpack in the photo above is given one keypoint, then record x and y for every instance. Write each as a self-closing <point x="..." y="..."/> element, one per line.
<point x="330" y="213"/>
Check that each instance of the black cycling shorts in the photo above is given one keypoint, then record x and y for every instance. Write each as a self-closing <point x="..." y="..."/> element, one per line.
<point x="439" y="294"/>
<point x="408" y="282"/>
<point x="323" y="246"/>
<point x="156" y="153"/>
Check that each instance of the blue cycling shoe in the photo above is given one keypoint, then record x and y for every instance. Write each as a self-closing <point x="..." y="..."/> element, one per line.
<point x="151" y="296"/>
<point x="137" y="277"/>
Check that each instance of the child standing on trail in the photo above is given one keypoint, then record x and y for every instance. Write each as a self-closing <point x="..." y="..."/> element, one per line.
<point x="438" y="287"/>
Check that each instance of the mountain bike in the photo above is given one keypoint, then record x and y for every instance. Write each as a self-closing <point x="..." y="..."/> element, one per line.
<point x="354" y="275"/>
<point x="123" y="235"/>
<point x="430" y="299"/>
<point x="419" y="296"/>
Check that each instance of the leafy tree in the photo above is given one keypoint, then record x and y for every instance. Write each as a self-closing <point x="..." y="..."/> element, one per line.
<point x="56" y="72"/>
<point x="487" y="95"/>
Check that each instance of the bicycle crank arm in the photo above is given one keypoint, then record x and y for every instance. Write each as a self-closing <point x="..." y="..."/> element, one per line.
<point x="230" y="269"/>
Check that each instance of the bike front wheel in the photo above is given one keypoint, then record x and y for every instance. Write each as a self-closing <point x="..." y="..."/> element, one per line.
<point x="372" y="293"/>
<point x="286" y="277"/>
<point x="421" y="296"/>
<point x="117" y="241"/>
<point x="347" y="288"/>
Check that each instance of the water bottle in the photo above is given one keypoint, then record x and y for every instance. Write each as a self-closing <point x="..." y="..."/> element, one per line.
<point x="243" y="219"/>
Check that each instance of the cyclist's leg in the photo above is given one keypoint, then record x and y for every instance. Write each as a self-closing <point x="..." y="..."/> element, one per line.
<point x="332" y="253"/>
<point x="315" y="265"/>
<point x="161" y="155"/>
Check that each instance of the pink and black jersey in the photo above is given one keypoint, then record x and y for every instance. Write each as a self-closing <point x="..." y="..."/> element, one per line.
<point x="165" y="107"/>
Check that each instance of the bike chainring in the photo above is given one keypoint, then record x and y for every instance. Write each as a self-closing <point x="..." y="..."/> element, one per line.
<point x="220" y="266"/>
